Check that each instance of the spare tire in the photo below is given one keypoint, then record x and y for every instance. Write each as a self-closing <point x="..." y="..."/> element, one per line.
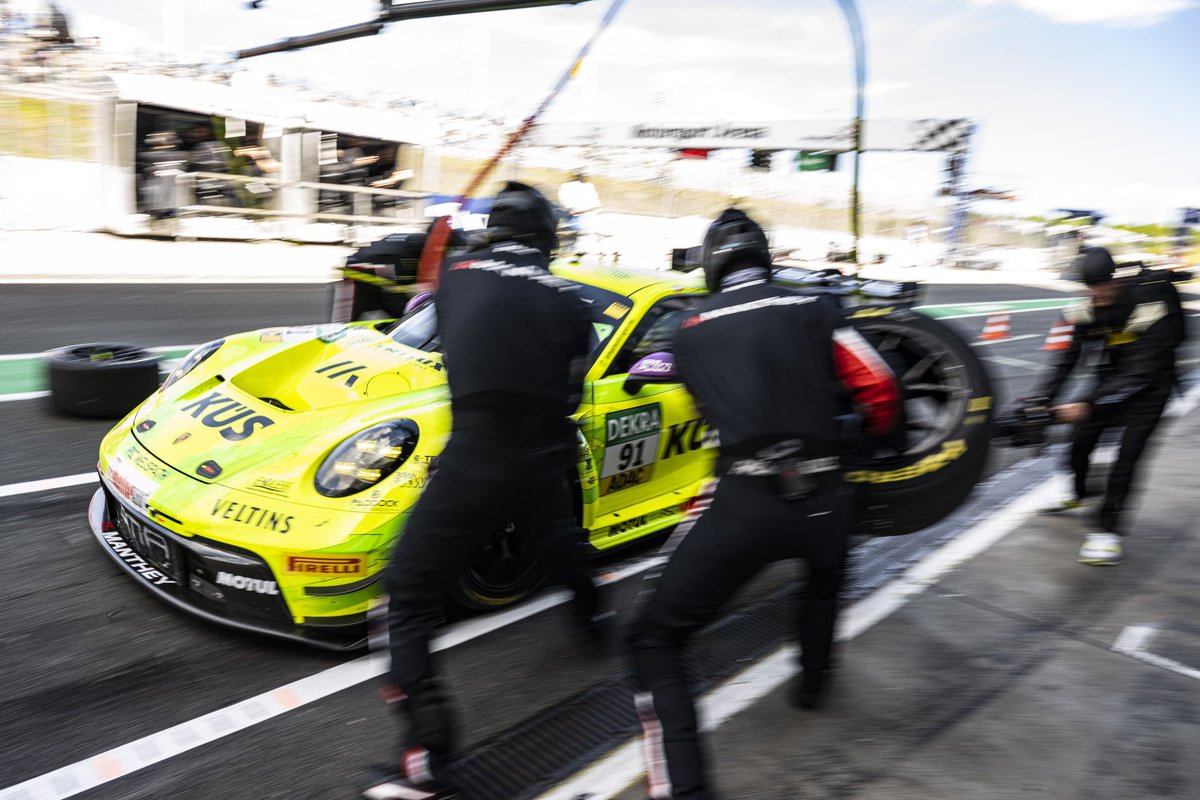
<point x="931" y="468"/>
<point x="101" y="379"/>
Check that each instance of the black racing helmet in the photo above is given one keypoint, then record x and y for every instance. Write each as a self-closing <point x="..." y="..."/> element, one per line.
<point x="1095" y="265"/>
<point x="521" y="213"/>
<point x="733" y="241"/>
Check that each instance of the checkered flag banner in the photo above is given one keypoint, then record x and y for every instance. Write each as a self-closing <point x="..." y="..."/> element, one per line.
<point x="941" y="134"/>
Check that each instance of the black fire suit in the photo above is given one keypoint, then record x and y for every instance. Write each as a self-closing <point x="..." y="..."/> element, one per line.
<point x="515" y="340"/>
<point x="772" y="371"/>
<point x="1131" y="346"/>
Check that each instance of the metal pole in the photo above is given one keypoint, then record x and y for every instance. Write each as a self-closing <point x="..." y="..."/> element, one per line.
<point x="423" y="9"/>
<point x="854" y="22"/>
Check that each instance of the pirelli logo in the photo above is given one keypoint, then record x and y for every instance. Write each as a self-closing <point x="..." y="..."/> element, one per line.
<point x="325" y="565"/>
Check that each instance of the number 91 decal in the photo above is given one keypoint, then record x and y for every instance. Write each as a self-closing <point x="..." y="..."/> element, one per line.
<point x="631" y="439"/>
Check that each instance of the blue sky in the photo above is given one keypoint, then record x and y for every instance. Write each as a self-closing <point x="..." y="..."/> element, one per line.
<point x="1082" y="103"/>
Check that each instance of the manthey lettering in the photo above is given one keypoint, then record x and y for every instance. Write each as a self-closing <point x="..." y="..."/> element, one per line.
<point x="252" y="516"/>
<point x="138" y="564"/>
<point x="242" y="583"/>
<point x="233" y="420"/>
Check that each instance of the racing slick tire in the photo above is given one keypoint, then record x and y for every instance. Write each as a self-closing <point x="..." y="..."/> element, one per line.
<point x="507" y="569"/>
<point x="939" y="456"/>
<point x="101" y="379"/>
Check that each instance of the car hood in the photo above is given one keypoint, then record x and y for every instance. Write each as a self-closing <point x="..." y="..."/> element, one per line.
<point x="269" y="405"/>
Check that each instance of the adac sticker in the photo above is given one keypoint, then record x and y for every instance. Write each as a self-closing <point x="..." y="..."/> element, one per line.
<point x="631" y="440"/>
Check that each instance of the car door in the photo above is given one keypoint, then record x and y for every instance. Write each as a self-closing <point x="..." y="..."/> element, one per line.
<point x="649" y="444"/>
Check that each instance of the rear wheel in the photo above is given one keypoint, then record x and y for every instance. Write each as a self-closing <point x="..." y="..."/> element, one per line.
<point x="935" y="462"/>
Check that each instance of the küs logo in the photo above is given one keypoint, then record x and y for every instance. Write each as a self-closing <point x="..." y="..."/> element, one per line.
<point x="234" y="420"/>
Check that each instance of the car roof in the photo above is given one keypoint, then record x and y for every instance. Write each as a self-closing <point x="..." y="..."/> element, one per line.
<point x="628" y="280"/>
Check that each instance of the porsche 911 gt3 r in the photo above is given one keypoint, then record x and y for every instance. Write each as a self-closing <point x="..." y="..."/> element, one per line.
<point x="262" y="486"/>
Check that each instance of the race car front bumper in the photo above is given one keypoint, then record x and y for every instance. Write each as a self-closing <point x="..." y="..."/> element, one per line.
<point x="209" y="580"/>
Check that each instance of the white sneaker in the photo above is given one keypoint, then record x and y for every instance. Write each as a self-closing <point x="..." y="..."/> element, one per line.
<point x="1101" y="549"/>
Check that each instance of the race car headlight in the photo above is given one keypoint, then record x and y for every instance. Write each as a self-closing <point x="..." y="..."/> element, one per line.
<point x="366" y="458"/>
<point x="193" y="360"/>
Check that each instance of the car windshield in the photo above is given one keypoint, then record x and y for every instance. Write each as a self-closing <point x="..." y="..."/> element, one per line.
<point x="606" y="310"/>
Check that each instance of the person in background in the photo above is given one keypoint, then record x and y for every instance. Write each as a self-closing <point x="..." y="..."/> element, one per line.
<point x="163" y="162"/>
<point x="579" y="198"/>
<point x="1127" y="332"/>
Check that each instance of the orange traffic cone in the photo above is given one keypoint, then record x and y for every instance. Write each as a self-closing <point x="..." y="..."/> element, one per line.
<point x="996" y="328"/>
<point x="1060" y="336"/>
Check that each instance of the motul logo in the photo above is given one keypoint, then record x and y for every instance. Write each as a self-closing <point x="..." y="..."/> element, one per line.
<point x="246" y="584"/>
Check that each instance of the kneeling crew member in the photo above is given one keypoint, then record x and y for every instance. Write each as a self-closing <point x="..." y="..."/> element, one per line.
<point x="516" y="341"/>
<point x="774" y="372"/>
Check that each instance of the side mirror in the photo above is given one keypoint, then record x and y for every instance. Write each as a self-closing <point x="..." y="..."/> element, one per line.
<point x="654" y="368"/>
<point x="418" y="302"/>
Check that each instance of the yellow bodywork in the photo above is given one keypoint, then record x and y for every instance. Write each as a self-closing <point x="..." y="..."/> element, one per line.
<point x="227" y="454"/>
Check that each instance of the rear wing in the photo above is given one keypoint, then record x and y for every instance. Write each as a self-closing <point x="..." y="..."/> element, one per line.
<point x="853" y="292"/>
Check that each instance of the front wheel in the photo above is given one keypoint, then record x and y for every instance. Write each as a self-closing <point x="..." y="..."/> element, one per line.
<point x="507" y="569"/>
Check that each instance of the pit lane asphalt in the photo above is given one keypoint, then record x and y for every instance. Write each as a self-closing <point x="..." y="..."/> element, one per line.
<point x="91" y="661"/>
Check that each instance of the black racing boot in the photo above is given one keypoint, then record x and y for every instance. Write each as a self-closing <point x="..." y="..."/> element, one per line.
<point x="599" y="632"/>
<point x="810" y="689"/>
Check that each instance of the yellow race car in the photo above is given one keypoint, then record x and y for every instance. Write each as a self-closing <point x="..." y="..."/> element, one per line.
<point x="263" y="484"/>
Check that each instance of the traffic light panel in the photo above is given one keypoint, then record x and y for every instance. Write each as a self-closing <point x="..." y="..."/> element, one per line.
<point x="760" y="159"/>
<point x="955" y="162"/>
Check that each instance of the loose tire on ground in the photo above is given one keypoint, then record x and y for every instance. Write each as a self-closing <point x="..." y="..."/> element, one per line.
<point x="948" y="410"/>
<point x="101" y="380"/>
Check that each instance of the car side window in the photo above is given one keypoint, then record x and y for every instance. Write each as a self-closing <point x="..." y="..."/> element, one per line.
<point x="655" y="332"/>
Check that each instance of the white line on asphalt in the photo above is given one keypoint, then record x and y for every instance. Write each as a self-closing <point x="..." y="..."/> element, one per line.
<point x="613" y="774"/>
<point x="1005" y="341"/>
<point x="1133" y="641"/>
<point x="6" y="398"/>
<point x="47" y="484"/>
<point x="141" y="753"/>
<point x="1134" y="638"/>
<point x="1181" y="406"/>
<point x="1014" y="362"/>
